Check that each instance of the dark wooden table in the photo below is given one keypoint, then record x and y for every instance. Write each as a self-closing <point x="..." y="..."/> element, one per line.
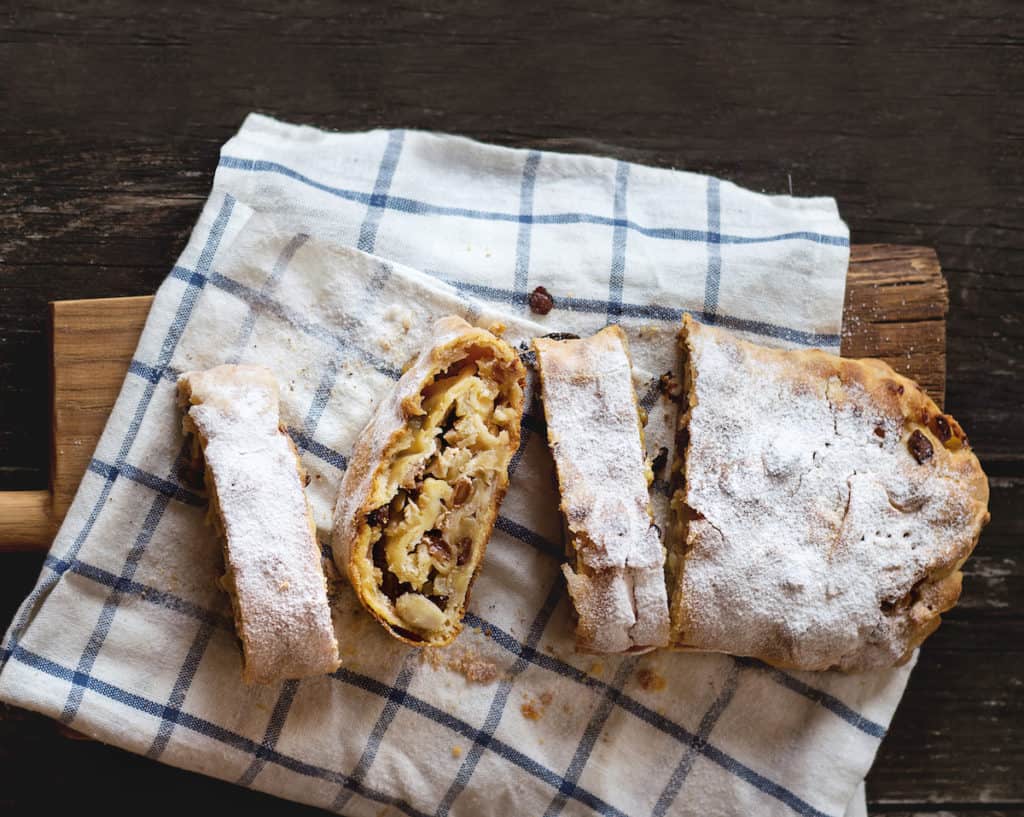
<point x="913" y="118"/>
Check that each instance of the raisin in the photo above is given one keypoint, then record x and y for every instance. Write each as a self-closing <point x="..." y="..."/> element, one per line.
<point x="942" y="430"/>
<point x="880" y="432"/>
<point x="920" y="446"/>
<point x="461" y="493"/>
<point x="464" y="547"/>
<point x="390" y="586"/>
<point x="437" y="546"/>
<point x="378" y="517"/>
<point x="541" y="301"/>
<point x="660" y="461"/>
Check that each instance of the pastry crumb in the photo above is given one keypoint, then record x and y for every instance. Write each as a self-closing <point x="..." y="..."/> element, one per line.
<point x="533" y="708"/>
<point x="596" y="668"/>
<point x="529" y="711"/>
<point x="497" y="328"/>
<point x="456" y="751"/>
<point x="474" y="669"/>
<point x="467" y="663"/>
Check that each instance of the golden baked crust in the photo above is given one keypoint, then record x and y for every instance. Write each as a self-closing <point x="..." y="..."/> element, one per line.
<point x="616" y="578"/>
<point x="273" y="571"/>
<point x="421" y="493"/>
<point x="823" y="507"/>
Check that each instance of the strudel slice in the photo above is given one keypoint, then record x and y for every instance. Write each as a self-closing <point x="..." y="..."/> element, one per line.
<point x="421" y="493"/>
<point x="615" y="575"/>
<point x="824" y="507"/>
<point x="273" y="573"/>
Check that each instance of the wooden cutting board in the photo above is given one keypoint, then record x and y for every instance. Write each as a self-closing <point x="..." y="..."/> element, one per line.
<point x="895" y="309"/>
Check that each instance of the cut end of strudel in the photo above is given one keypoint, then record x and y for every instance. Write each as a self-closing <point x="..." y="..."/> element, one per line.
<point x="616" y="576"/>
<point x="273" y="571"/>
<point x="424" y="483"/>
<point x="823" y="507"/>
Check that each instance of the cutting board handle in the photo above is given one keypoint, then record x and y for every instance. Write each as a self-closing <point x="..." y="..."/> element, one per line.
<point x="26" y="520"/>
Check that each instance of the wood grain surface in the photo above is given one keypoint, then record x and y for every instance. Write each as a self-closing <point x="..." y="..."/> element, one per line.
<point x="92" y="345"/>
<point x="910" y="114"/>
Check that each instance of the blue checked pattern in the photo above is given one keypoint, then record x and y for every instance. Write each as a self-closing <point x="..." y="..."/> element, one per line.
<point x="134" y="565"/>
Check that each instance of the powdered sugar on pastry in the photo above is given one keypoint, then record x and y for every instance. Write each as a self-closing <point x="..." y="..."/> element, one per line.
<point x="272" y="560"/>
<point x="616" y="583"/>
<point x="828" y="506"/>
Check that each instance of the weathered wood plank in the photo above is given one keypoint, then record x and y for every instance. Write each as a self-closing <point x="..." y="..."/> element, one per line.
<point x="953" y="737"/>
<point x="994" y="575"/>
<point x="26" y="519"/>
<point x="895" y="309"/>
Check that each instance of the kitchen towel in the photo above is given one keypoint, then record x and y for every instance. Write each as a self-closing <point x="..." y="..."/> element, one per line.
<point x="325" y="256"/>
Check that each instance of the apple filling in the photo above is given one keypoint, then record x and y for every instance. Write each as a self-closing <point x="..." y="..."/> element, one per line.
<point x="445" y="478"/>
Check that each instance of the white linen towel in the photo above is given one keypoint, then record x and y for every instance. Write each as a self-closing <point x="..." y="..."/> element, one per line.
<point x="127" y="638"/>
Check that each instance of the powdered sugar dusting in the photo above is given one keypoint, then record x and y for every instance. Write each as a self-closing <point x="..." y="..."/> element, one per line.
<point x="815" y="523"/>
<point x="594" y="433"/>
<point x="272" y="554"/>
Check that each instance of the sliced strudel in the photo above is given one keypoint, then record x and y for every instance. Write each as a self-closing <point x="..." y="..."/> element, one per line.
<point x="274" y="575"/>
<point x="823" y="507"/>
<point x="616" y="576"/>
<point x="423" y="485"/>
